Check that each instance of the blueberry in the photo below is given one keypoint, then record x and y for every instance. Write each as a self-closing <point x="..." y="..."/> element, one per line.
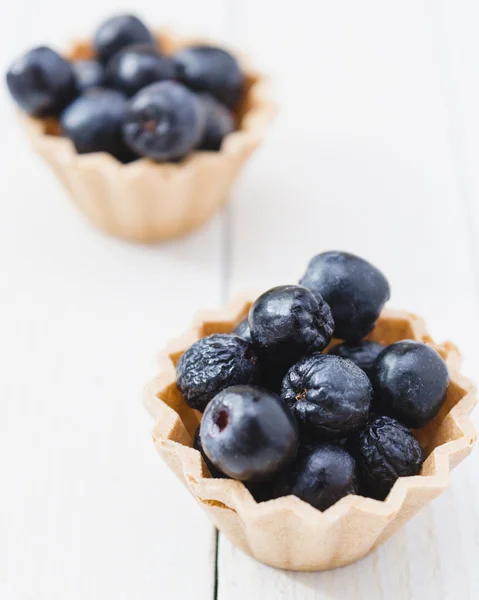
<point x="197" y="445"/>
<point x="213" y="70"/>
<point x="328" y="395"/>
<point x="243" y="330"/>
<point x="118" y="32"/>
<point x="41" y="82"/>
<point x="219" y="123"/>
<point x="213" y="364"/>
<point x="135" y="67"/>
<point x="321" y="475"/>
<point x="363" y="353"/>
<point x="355" y="290"/>
<point x="164" y="121"/>
<point x="385" y="450"/>
<point x="410" y="382"/>
<point x="88" y="74"/>
<point x="290" y="321"/>
<point x="249" y="433"/>
<point x="94" y="123"/>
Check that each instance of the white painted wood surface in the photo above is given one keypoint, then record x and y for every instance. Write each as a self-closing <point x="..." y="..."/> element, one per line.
<point x="375" y="151"/>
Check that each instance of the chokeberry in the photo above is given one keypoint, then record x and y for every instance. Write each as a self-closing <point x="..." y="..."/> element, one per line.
<point x="363" y="353"/>
<point x="243" y="330"/>
<point x="321" y="475"/>
<point x="119" y="32"/>
<point x="328" y="395"/>
<point x="214" y="363"/>
<point x="41" y="82"/>
<point x="355" y="290"/>
<point x="410" y="382"/>
<point x="249" y="433"/>
<point x="164" y="121"/>
<point x="219" y="123"/>
<point x="290" y="321"/>
<point x="385" y="450"/>
<point x="213" y="70"/>
<point x="197" y="445"/>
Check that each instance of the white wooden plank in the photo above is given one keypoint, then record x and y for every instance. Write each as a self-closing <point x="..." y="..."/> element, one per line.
<point x="362" y="159"/>
<point x="87" y="508"/>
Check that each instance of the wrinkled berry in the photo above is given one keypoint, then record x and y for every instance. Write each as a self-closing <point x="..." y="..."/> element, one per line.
<point x="41" y="82"/>
<point x="94" y="123"/>
<point x="213" y="70"/>
<point x="362" y="354"/>
<point x="410" y="382"/>
<point x="290" y="321"/>
<point x="117" y="33"/>
<point x="197" y="445"/>
<point x="249" y="433"/>
<point x="135" y="67"/>
<point x="243" y="330"/>
<point x="88" y="74"/>
<point x="321" y="475"/>
<point x="219" y="123"/>
<point x="214" y="363"/>
<point x="384" y="451"/>
<point x="328" y="395"/>
<point x="355" y="290"/>
<point x="164" y="121"/>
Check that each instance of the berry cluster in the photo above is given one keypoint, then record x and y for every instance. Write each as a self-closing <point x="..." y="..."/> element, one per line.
<point x="287" y="414"/>
<point x="133" y="100"/>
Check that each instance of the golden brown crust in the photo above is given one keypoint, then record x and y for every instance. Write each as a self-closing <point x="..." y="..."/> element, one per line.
<point x="287" y="532"/>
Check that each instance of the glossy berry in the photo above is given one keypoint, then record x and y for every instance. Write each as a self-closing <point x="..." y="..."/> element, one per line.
<point x="290" y="321"/>
<point x="119" y="32"/>
<point x="214" y="363"/>
<point x="243" y="330"/>
<point x="164" y="121"/>
<point x="41" y="82"/>
<point x="94" y="123"/>
<point x="328" y="395"/>
<point x="219" y="123"/>
<point x="135" y="67"/>
<point x="249" y="433"/>
<point x="197" y="445"/>
<point x="385" y="450"/>
<point x="362" y="354"/>
<point x="355" y="290"/>
<point x="213" y="70"/>
<point x="410" y="382"/>
<point x="321" y="475"/>
<point x="88" y="74"/>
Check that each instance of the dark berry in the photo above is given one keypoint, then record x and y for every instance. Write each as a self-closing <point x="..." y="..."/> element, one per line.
<point x="385" y="450"/>
<point x="213" y="70"/>
<point x="321" y="475"/>
<point x="88" y="74"/>
<point x="136" y="67"/>
<point x="94" y="123"/>
<point x="363" y="353"/>
<point x="164" y="121"/>
<point x="41" y="82"/>
<point x="118" y="32"/>
<point x="219" y="123"/>
<point x="249" y="433"/>
<point x="354" y="289"/>
<point x="197" y="445"/>
<point x="243" y="330"/>
<point x="328" y="395"/>
<point x="410" y="382"/>
<point x="290" y="321"/>
<point x="213" y="364"/>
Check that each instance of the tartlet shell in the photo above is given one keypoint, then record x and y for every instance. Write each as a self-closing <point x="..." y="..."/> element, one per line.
<point x="287" y="532"/>
<point x="147" y="201"/>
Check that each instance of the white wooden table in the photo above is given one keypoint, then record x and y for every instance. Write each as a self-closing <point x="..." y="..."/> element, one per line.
<point x="376" y="151"/>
